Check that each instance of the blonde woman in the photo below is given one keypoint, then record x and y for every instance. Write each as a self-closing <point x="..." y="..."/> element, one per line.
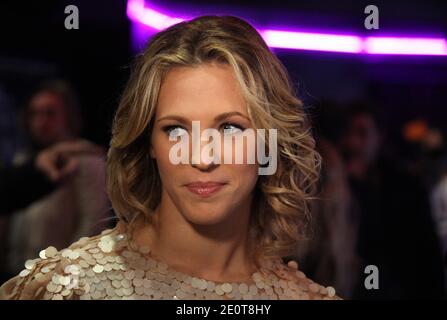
<point x="198" y="230"/>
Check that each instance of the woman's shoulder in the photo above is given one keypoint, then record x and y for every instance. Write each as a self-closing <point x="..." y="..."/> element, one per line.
<point x="107" y="266"/>
<point x="58" y="275"/>
<point x="291" y="283"/>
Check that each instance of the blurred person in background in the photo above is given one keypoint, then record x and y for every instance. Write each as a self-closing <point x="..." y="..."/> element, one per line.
<point x="40" y="176"/>
<point x="79" y="205"/>
<point x="329" y="256"/>
<point x="429" y="159"/>
<point x="395" y="230"/>
<point x="439" y="206"/>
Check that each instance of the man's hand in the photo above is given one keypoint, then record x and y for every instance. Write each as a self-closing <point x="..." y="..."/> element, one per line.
<point x="61" y="159"/>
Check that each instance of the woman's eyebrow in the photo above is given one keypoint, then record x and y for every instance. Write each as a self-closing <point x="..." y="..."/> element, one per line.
<point x="220" y="117"/>
<point x="229" y="114"/>
<point x="174" y="117"/>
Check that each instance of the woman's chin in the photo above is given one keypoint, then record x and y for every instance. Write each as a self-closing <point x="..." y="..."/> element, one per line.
<point x="205" y="214"/>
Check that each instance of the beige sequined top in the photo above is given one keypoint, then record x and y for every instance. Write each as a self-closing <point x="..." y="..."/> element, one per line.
<point x="108" y="266"/>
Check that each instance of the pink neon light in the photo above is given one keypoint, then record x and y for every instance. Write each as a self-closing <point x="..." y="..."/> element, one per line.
<point x="413" y="46"/>
<point x="312" y="41"/>
<point x="138" y="11"/>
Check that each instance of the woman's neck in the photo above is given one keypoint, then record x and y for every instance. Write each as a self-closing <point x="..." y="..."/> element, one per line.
<point x="218" y="252"/>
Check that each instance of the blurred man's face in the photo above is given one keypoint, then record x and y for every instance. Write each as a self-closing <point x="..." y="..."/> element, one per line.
<point x="47" y="119"/>
<point x="361" y="141"/>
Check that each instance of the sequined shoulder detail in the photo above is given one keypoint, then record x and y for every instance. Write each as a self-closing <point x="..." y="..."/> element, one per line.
<point x="61" y="275"/>
<point x="109" y="266"/>
<point x="293" y="284"/>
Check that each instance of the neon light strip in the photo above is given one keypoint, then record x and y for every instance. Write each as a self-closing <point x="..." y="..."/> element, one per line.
<point x="139" y="12"/>
<point x="412" y="46"/>
<point x="312" y="41"/>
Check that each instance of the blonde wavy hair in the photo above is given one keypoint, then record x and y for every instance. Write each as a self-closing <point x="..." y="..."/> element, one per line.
<point x="281" y="208"/>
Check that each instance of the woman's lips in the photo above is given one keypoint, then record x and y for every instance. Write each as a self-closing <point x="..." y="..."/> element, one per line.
<point x="205" y="189"/>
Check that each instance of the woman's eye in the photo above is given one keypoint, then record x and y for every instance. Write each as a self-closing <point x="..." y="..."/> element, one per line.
<point x="231" y="128"/>
<point x="175" y="131"/>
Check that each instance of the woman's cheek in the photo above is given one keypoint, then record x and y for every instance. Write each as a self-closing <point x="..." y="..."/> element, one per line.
<point x="247" y="175"/>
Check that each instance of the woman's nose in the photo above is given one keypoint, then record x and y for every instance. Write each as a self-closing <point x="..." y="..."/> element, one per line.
<point x="205" y="167"/>
<point x="203" y="157"/>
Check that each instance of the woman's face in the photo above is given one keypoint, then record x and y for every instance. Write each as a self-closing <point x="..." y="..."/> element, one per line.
<point x="204" y="194"/>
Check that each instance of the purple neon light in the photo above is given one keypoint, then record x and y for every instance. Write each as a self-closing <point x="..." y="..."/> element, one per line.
<point x="312" y="41"/>
<point x="138" y="11"/>
<point x="412" y="46"/>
